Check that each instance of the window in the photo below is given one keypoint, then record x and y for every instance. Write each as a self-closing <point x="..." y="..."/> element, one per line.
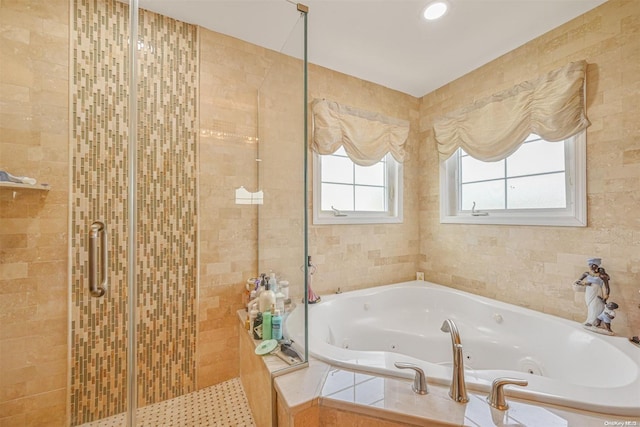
<point x="345" y="193"/>
<point x="542" y="183"/>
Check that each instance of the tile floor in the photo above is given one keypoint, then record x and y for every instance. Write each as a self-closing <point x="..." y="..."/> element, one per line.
<point x="221" y="405"/>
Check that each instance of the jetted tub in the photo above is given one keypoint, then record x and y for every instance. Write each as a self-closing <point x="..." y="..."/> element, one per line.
<point x="371" y="329"/>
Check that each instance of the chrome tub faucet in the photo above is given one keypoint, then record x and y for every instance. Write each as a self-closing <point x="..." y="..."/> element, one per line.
<point x="496" y="397"/>
<point x="419" y="381"/>
<point x="458" y="389"/>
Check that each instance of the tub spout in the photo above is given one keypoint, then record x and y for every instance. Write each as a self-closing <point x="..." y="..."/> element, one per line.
<point x="458" y="389"/>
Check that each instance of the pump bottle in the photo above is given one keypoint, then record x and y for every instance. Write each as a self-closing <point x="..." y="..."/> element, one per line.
<point x="266" y="299"/>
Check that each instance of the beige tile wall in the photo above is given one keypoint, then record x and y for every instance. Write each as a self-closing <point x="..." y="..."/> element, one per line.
<point x="281" y="151"/>
<point x="349" y="257"/>
<point x="535" y="266"/>
<point x="332" y="417"/>
<point x="34" y="133"/>
<point x="230" y="73"/>
<point x="256" y="381"/>
<point x="358" y="256"/>
<point x="33" y="230"/>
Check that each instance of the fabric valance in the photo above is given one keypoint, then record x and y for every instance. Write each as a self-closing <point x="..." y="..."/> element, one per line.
<point x="366" y="136"/>
<point x="490" y="129"/>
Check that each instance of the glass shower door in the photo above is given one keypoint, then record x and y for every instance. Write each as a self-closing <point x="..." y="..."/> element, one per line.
<point x="134" y="172"/>
<point x="100" y="126"/>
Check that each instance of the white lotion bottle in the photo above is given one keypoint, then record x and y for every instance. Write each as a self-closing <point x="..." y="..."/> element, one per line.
<point x="266" y="299"/>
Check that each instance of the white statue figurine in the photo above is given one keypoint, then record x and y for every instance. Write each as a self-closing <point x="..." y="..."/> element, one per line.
<point x="607" y="315"/>
<point x="596" y="282"/>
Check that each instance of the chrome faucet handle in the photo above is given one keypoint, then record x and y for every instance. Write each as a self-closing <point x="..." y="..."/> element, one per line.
<point x="419" y="381"/>
<point x="496" y="397"/>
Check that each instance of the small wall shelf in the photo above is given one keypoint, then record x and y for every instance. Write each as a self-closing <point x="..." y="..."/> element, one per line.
<point x="17" y="186"/>
<point x="10" y="190"/>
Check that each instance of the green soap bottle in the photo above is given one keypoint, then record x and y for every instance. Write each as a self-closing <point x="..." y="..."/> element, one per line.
<point x="266" y="325"/>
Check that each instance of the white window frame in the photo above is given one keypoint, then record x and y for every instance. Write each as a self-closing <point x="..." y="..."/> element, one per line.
<point x="394" y="193"/>
<point x="574" y="215"/>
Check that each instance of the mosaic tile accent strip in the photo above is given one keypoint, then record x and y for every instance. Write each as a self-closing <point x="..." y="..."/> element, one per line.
<point x="99" y="123"/>
<point x="222" y="405"/>
<point x="167" y="203"/>
<point x="166" y="268"/>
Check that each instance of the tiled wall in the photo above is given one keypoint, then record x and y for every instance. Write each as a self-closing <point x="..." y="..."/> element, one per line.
<point x="535" y="266"/>
<point x="166" y="207"/>
<point x="281" y="168"/>
<point x="359" y="256"/>
<point x="514" y="264"/>
<point x="230" y="73"/>
<point x="34" y="137"/>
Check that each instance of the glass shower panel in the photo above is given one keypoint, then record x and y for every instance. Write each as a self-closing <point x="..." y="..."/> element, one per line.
<point x="282" y="150"/>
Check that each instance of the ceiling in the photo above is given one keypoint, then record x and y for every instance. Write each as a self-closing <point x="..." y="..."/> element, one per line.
<point x="384" y="41"/>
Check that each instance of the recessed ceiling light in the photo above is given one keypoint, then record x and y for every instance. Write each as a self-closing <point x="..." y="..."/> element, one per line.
<point x="435" y="10"/>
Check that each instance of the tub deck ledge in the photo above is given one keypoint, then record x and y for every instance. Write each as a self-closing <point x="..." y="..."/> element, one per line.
<point x="323" y="394"/>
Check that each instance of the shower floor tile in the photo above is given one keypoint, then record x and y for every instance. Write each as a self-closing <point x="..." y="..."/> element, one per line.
<point x="221" y="405"/>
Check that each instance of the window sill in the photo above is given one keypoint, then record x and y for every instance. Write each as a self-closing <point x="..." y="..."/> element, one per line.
<point x="352" y="220"/>
<point x="515" y="219"/>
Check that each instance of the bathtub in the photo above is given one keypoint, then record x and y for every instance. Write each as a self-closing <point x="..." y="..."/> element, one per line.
<point x="371" y="329"/>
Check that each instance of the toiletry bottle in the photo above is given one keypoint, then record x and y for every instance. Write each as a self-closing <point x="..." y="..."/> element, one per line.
<point x="252" y="317"/>
<point x="262" y="285"/>
<point x="284" y="291"/>
<point x="273" y="282"/>
<point x="267" y="299"/>
<point x="276" y="326"/>
<point x="266" y="325"/>
<point x="253" y="305"/>
<point x="257" y="327"/>
<point x="284" y="288"/>
<point x="280" y="301"/>
<point x="246" y="295"/>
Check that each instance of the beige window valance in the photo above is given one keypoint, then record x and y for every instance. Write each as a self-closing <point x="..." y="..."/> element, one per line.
<point x="552" y="106"/>
<point x="366" y="136"/>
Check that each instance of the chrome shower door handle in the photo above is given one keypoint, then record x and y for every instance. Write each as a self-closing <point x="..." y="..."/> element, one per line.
<point x="98" y="254"/>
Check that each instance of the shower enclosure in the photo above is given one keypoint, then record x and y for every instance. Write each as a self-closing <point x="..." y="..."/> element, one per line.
<point x="133" y="157"/>
<point x="158" y="137"/>
<point x="282" y="166"/>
